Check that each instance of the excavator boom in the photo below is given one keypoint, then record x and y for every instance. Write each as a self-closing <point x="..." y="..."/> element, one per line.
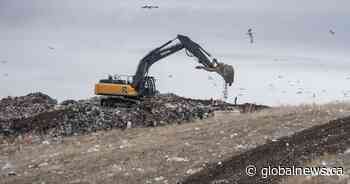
<point x="211" y="65"/>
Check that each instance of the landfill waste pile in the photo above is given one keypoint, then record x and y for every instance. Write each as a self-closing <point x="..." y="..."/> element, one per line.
<point x="39" y="114"/>
<point x="218" y="105"/>
<point x="25" y="106"/>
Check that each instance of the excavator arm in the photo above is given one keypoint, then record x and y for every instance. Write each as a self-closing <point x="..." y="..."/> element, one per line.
<point x="211" y="65"/>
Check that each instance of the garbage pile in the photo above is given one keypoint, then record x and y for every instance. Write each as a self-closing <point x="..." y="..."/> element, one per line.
<point x="25" y="106"/>
<point x="41" y="115"/>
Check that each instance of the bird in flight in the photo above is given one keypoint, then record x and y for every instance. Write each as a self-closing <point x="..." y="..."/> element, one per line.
<point x="3" y="61"/>
<point x="51" y="48"/>
<point x="149" y="7"/>
<point x="332" y="32"/>
<point x="250" y="34"/>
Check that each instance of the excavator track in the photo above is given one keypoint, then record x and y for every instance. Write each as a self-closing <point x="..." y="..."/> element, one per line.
<point x="119" y="102"/>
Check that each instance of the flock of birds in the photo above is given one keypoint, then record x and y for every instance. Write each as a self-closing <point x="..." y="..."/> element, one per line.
<point x="250" y="32"/>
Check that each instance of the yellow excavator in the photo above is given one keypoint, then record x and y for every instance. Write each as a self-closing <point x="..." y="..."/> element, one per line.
<point x="128" y="90"/>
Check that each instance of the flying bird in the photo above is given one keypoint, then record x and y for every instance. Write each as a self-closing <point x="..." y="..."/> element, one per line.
<point x="149" y="7"/>
<point x="332" y="32"/>
<point x="51" y="48"/>
<point x="251" y="36"/>
<point x="3" y="62"/>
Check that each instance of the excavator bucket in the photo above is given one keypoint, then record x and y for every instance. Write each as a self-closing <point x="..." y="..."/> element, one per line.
<point x="226" y="71"/>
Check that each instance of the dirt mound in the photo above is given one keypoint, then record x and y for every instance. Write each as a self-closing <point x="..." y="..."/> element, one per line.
<point x="333" y="137"/>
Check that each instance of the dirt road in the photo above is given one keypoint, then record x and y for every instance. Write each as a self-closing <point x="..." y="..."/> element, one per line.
<point x="172" y="153"/>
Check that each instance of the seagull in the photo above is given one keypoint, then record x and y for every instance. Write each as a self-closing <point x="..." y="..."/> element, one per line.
<point x="3" y="61"/>
<point x="332" y="32"/>
<point x="6" y="74"/>
<point x="250" y="34"/>
<point x="149" y="7"/>
<point x="51" y="48"/>
<point x="170" y="76"/>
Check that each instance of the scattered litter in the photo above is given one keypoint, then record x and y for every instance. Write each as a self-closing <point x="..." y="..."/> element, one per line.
<point x="94" y="149"/>
<point x="7" y="166"/>
<point x="192" y="171"/>
<point x="240" y="146"/>
<point x="222" y="181"/>
<point x="129" y="124"/>
<point x="46" y="142"/>
<point x="117" y="167"/>
<point x="160" y="178"/>
<point x="347" y="151"/>
<point x="178" y="159"/>
<point x="12" y="173"/>
<point x="43" y="164"/>
<point x="124" y="144"/>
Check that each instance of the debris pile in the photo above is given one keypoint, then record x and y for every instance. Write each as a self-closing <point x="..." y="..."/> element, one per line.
<point x="43" y="116"/>
<point x="39" y="114"/>
<point x="25" y="106"/>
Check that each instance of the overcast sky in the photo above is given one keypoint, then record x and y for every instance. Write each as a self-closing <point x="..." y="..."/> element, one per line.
<point x="63" y="47"/>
